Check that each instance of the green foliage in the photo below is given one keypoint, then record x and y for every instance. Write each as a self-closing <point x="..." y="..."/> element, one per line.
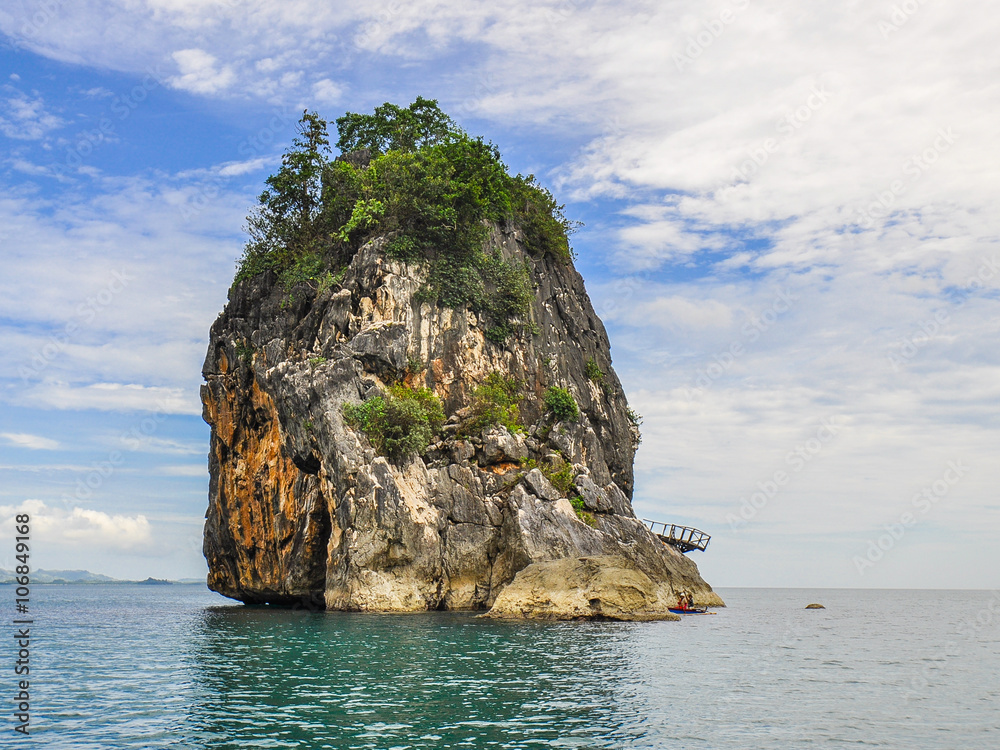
<point x="562" y="404"/>
<point x="399" y="424"/>
<point x="434" y="204"/>
<point x="636" y="419"/>
<point x="309" y="267"/>
<point x="329" y="280"/>
<point x="393" y="128"/>
<point x="364" y="214"/>
<point x="561" y="478"/>
<point x="594" y="372"/>
<point x="507" y="298"/>
<point x="245" y="351"/>
<point x="546" y="229"/>
<point x="582" y="513"/>
<point x="402" y="247"/>
<point x="415" y="365"/>
<point x="494" y="403"/>
<point x="422" y="182"/>
<point x="559" y="473"/>
<point x="287" y="220"/>
<point x="316" y="362"/>
<point x="256" y="259"/>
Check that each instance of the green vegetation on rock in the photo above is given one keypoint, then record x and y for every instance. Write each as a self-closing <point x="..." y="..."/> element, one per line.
<point x="562" y="404"/>
<point x="594" y="371"/>
<point x="399" y="424"/>
<point x="582" y="513"/>
<point x="413" y="176"/>
<point x="635" y="418"/>
<point x="494" y="403"/>
<point x="245" y="351"/>
<point x="561" y="476"/>
<point x="558" y="471"/>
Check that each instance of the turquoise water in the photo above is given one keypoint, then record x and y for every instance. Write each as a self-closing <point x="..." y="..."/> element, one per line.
<point x="147" y="667"/>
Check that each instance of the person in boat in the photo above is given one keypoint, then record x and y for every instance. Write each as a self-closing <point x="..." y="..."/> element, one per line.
<point x="683" y="601"/>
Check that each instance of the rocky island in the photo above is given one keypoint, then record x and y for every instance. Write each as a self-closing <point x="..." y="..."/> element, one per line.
<point x="411" y="398"/>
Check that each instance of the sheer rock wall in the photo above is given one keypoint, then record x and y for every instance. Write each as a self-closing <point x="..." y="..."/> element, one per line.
<point x="302" y="509"/>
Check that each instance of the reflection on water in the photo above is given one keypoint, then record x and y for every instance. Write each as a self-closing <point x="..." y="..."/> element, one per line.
<point x="291" y="679"/>
<point x="152" y="667"/>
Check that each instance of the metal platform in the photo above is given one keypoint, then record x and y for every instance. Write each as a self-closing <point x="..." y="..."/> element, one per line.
<point x="683" y="538"/>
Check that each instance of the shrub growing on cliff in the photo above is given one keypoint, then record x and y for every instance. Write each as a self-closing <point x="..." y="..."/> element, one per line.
<point x="562" y="404"/>
<point x="594" y="371"/>
<point x="399" y="424"/>
<point x="635" y="420"/>
<point x="287" y="223"/>
<point x="561" y="476"/>
<point x="412" y="175"/>
<point x="494" y="403"/>
<point x="582" y="513"/>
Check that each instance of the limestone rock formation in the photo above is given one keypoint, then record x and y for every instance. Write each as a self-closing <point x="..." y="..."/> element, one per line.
<point x="584" y="588"/>
<point x="303" y="509"/>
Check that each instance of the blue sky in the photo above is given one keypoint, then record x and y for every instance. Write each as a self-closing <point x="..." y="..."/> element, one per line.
<point x="790" y="233"/>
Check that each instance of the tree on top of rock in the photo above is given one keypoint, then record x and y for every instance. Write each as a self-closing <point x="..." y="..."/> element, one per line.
<point x="285" y="225"/>
<point x="393" y="128"/>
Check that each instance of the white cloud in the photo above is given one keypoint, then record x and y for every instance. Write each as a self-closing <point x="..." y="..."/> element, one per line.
<point x="186" y="470"/>
<point x="327" y="93"/>
<point x="34" y="442"/>
<point x="79" y="526"/>
<point x="112" y="397"/>
<point x="677" y="312"/>
<point x="200" y="72"/>
<point x="25" y="117"/>
<point x="799" y="150"/>
<point x="165" y="446"/>
<point x="113" y="288"/>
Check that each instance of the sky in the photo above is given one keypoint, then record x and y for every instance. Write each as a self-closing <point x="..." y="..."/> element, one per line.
<point x="790" y="233"/>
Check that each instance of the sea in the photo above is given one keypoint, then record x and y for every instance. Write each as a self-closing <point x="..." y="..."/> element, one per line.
<point x="133" y="666"/>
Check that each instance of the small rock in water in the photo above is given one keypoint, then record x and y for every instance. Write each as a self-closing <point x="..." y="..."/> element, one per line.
<point x="815" y="606"/>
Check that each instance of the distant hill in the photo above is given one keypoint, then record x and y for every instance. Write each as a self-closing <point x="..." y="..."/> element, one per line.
<point x="83" y="576"/>
<point x="58" y="576"/>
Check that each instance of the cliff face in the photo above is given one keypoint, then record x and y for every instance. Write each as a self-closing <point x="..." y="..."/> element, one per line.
<point x="301" y="508"/>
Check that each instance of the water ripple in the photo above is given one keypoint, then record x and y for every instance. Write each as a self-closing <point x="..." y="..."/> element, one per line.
<point x="145" y="667"/>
